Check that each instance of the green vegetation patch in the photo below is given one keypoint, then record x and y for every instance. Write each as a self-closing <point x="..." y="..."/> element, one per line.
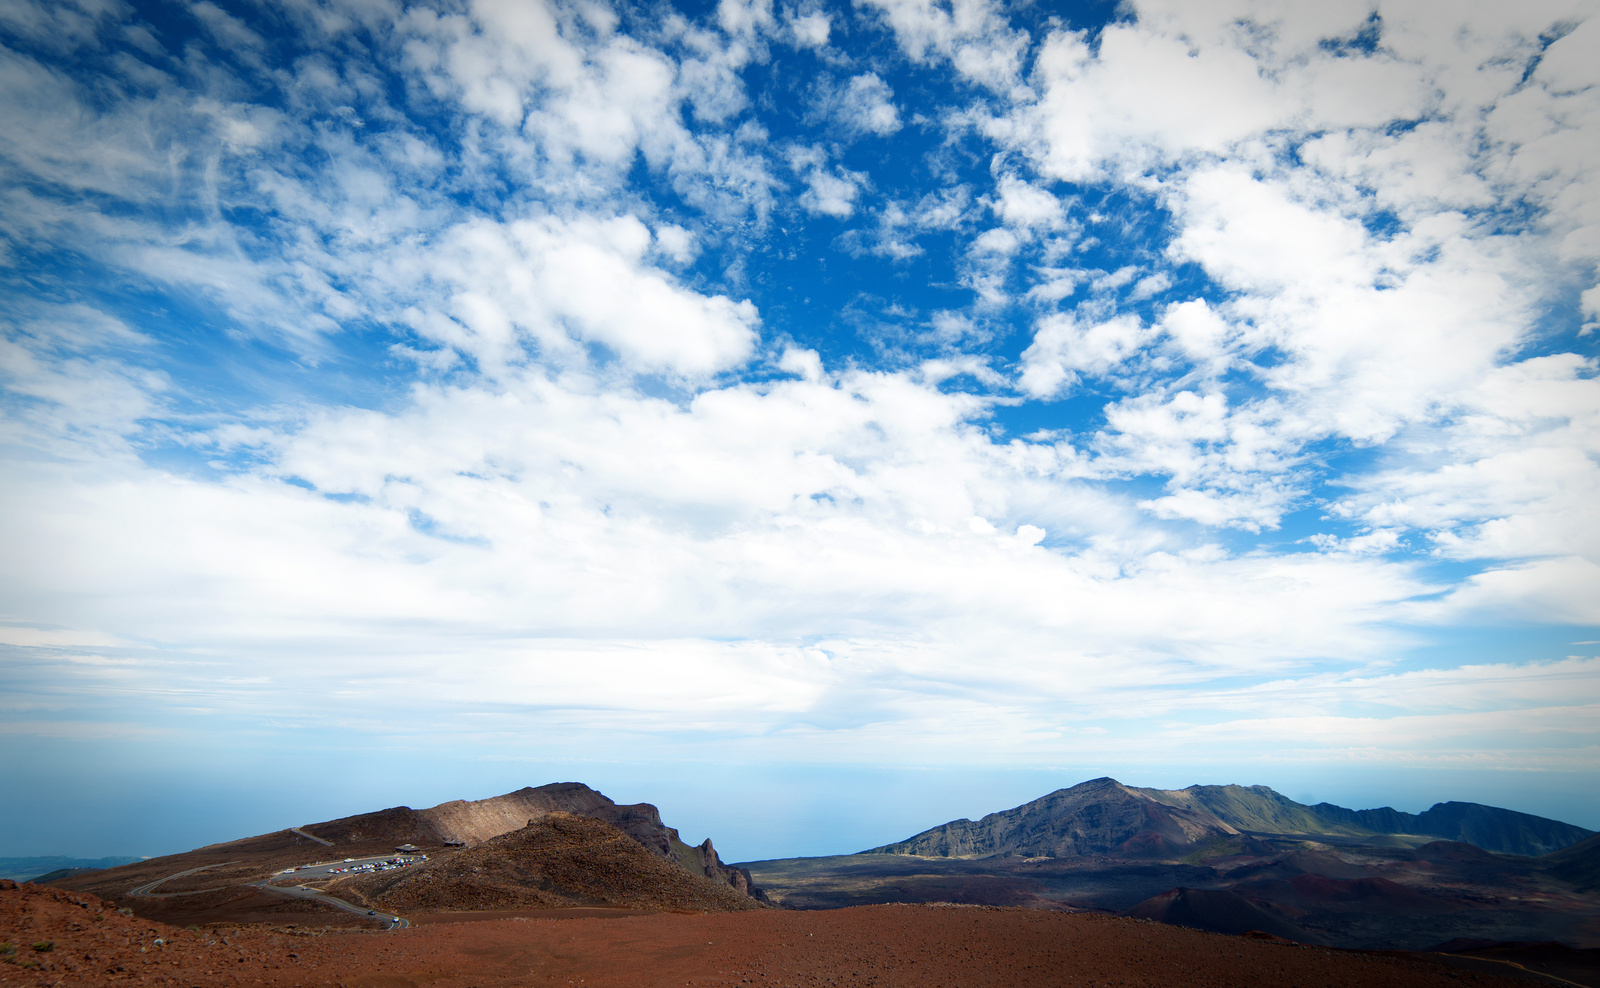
<point x="1215" y="847"/>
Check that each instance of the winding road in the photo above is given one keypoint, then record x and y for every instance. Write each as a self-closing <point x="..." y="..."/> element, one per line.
<point x="147" y="890"/>
<point x="302" y="833"/>
<point x="390" y="921"/>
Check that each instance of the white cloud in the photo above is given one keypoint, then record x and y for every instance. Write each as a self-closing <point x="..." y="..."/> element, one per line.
<point x="745" y="17"/>
<point x="971" y="34"/>
<point x="1515" y="485"/>
<point x="833" y="194"/>
<point x="1024" y="205"/>
<point x="866" y="105"/>
<point x="810" y="29"/>
<point x="557" y="284"/>
<point x="1150" y="285"/>
<point x="837" y="507"/>
<point x="1197" y="330"/>
<point x="1065" y="348"/>
<point x="676" y="242"/>
<point x="829" y="193"/>
<point x="63" y="26"/>
<point x="228" y="31"/>
<point x="64" y="363"/>
<point x="1373" y="335"/>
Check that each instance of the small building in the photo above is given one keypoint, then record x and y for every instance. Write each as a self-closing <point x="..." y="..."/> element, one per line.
<point x="408" y="849"/>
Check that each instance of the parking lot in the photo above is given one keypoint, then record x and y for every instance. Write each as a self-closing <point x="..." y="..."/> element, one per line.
<point x="348" y="866"/>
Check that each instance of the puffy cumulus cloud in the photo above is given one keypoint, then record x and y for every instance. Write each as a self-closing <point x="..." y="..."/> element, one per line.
<point x="809" y="29"/>
<point x="549" y="287"/>
<point x="1377" y="331"/>
<point x="574" y="101"/>
<point x="1182" y="80"/>
<point x="578" y="99"/>
<point x="828" y="192"/>
<point x="831" y="193"/>
<point x="1024" y="205"/>
<point x="971" y="34"/>
<point x="1063" y="348"/>
<point x="1370" y="283"/>
<point x="864" y="105"/>
<point x="569" y="80"/>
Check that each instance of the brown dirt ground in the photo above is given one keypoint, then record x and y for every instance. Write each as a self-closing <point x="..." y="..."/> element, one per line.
<point x="879" y="946"/>
<point x="239" y="906"/>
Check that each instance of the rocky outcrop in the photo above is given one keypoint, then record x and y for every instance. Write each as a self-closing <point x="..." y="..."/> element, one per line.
<point x="703" y="860"/>
<point x="477" y="820"/>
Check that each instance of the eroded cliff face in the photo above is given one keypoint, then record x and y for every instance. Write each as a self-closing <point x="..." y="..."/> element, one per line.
<point x="703" y="860"/>
<point x="478" y="821"/>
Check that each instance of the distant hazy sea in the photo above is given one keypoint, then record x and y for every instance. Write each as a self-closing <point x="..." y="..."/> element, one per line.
<point x="22" y="869"/>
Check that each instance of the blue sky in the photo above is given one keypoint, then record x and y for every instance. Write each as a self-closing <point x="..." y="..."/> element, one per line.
<point x="822" y="420"/>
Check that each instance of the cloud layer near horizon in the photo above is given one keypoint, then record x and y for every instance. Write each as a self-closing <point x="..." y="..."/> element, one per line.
<point x="888" y="383"/>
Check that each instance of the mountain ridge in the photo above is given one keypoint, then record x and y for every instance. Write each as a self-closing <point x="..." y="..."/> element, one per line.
<point x="474" y="822"/>
<point x="534" y="834"/>
<point x="1235" y="859"/>
<point x="1103" y="816"/>
<point x="555" y="860"/>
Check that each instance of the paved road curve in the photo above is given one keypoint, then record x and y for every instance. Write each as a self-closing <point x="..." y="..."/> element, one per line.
<point x="301" y="892"/>
<point x="302" y="833"/>
<point x="147" y="890"/>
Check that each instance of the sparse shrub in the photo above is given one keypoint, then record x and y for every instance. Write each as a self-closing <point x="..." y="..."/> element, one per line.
<point x="6" y="950"/>
<point x="124" y="911"/>
<point x="43" y="946"/>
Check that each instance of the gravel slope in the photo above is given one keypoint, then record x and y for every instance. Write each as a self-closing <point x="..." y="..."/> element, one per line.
<point x="881" y="946"/>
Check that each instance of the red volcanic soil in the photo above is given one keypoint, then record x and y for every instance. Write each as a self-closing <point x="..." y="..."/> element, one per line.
<point x="884" y="946"/>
